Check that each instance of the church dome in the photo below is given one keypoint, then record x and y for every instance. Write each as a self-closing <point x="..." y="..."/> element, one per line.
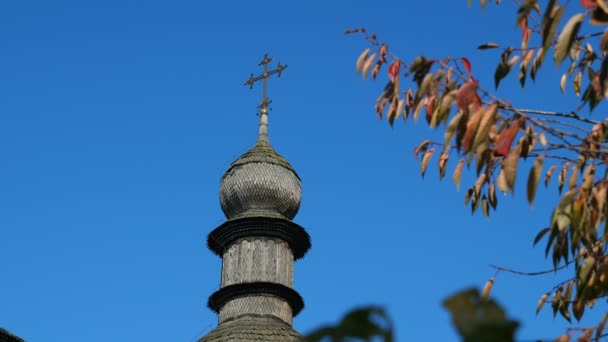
<point x="260" y="182"/>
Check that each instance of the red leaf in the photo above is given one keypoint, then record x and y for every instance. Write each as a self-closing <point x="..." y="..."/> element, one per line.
<point x="467" y="95"/>
<point x="505" y="139"/>
<point x="588" y="3"/>
<point x="393" y="70"/>
<point x="430" y="108"/>
<point x="467" y="65"/>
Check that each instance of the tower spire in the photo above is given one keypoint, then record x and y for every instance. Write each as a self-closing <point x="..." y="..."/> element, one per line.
<point x="264" y="104"/>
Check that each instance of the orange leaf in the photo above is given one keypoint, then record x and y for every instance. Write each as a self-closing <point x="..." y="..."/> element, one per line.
<point x="393" y="70"/>
<point x="467" y="65"/>
<point x="505" y="139"/>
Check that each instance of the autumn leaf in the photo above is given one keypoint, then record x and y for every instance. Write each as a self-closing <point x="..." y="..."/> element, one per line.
<point x="472" y="126"/>
<point x="510" y="167"/>
<point x="551" y="19"/>
<point x="457" y="175"/>
<point x="523" y="67"/>
<point x="367" y="65"/>
<point x="549" y="174"/>
<point x="467" y="95"/>
<point x="487" y="46"/>
<point x="443" y="163"/>
<point x="362" y="58"/>
<point x="485" y="294"/>
<point x="538" y="61"/>
<point x="542" y="302"/>
<point x="393" y="70"/>
<point x="425" y="160"/>
<point x="487" y="120"/>
<point x="505" y="139"/>
<point x="534" y="178"/>
<point x="567" y="37"/>
<point x="503" y="68"/>
<point x="467" y="66"/>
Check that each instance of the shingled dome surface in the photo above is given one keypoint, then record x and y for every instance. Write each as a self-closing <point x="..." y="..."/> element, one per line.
<point x="260" y="180"/>
<point x="250" y="328"/>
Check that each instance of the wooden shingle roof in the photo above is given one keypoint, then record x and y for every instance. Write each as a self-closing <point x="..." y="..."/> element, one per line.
<point x="253" y="328"/>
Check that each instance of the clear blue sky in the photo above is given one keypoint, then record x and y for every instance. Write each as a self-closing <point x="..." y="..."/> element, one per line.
<point x="118" y="119"/>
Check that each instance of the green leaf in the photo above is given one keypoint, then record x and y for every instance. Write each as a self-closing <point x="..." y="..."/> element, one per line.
<point x="503" y="68"/>
<point x="534" y="178"/>
<point x="540" y="235"/>
<point x="551" y="18"/>
<point x="567" y="37"/>
<point x="367" y="323"/>
<point x="476" y="319"/>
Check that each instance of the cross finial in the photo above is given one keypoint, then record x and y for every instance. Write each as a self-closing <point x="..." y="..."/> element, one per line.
<point x="264" y="77"/>
<point x="263" y="129"/>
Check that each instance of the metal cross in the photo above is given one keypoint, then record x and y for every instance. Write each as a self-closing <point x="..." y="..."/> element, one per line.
<point x="264" y="76"/>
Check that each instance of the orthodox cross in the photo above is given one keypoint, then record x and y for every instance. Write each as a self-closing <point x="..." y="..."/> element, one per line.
<point x="264" y="76"/>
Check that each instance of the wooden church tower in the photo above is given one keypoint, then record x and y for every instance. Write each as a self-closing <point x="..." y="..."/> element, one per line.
<point x="260" y="194"/>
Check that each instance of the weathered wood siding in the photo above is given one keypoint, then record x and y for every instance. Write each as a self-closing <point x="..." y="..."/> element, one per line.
<point x="258" y="304"/>
<point x="258" y="259"/>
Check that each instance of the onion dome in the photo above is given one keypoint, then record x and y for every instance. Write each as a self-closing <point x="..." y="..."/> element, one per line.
<point x="260" y="182"/>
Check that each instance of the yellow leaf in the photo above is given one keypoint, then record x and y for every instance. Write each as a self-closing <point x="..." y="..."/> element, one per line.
<point x="501" y="182"/>
<point x="400" y="108"/>
<point x="422" y="147"/>
<point x="458" y="173"/>
<point x="425" y="160"/>
<point x="487" y="288"/>
<point x="481" y="180"/>
<point x="486" y="122"/>
<point x="361" y="59"/>
<point x="576" y="84"/>
<point x="451" y="129"/>
<point x="543" y="138"/>
<point x="542" y="302"/>
<point x="421" y="104"/>
<point x="368" y="64"/>
<point x="562" y="83"/>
